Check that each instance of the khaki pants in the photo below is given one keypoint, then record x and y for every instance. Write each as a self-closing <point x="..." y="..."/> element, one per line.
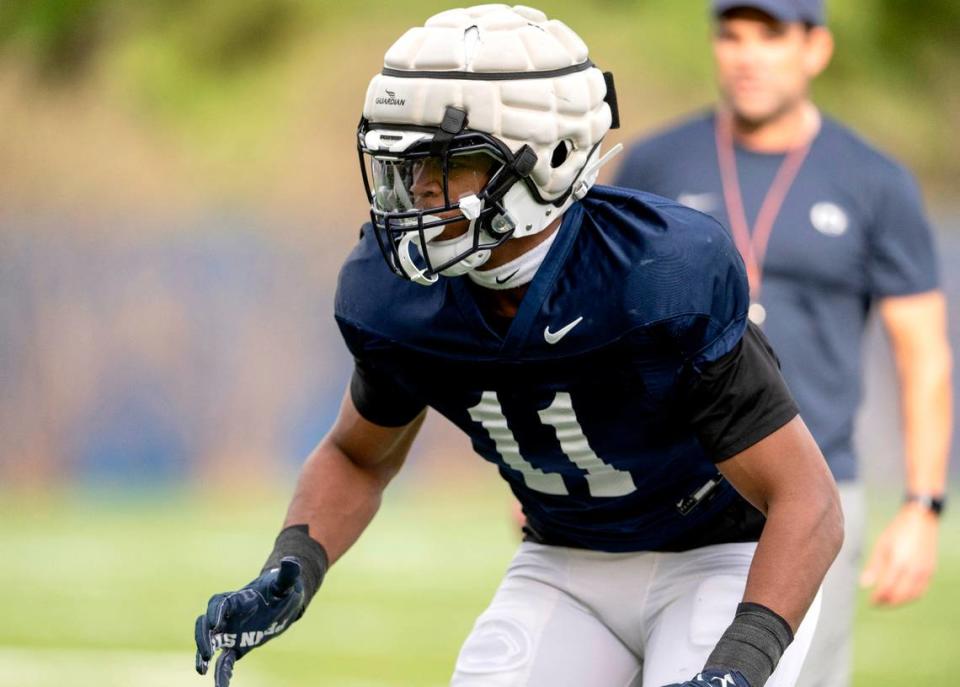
<point x="829" y="663"/>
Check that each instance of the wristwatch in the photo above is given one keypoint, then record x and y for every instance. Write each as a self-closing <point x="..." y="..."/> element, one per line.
<point x="934" y="504"/>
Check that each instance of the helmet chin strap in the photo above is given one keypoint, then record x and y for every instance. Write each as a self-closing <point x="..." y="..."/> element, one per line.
<point x="471" y="206"/>
<point x="441" y="251"/>
<point x="409" y="267"/>
<point x="467" y="265"/>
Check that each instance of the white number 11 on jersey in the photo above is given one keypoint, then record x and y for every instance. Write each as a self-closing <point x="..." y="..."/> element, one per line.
<point x="603" y="479"/>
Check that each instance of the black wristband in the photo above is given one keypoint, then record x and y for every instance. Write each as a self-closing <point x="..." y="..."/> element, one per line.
<point x="753" y="644"/>
<point x="295" y="540"/>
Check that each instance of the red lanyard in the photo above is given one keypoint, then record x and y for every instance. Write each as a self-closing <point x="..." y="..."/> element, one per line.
<point x="753" y="247"/>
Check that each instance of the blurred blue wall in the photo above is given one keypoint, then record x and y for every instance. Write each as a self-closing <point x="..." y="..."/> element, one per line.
<point x="153" y="357"/>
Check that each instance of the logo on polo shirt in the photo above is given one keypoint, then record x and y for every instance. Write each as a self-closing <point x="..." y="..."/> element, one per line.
<point x="703" y="202"/>
<point x="829" y="219"/>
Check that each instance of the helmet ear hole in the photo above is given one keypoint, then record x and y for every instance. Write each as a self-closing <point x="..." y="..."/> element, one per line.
<point x="560" y="153"/>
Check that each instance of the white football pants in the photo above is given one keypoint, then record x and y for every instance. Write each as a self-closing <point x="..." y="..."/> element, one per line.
<point x="575" y="618"/>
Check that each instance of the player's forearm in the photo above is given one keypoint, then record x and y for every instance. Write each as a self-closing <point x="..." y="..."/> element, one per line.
<point x="785" y="476"/>
<point x="802" y="536"/>
<point x="336" y="498"/>
<point x="927" y="408"/>
<point x="341" y="484"/>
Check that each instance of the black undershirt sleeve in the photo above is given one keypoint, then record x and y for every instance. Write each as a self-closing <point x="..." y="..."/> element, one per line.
<point x="380" y="400"/>
<point x="741" y="398"/>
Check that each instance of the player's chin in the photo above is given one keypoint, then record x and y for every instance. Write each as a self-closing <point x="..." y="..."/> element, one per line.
<point x="452" y="231"/>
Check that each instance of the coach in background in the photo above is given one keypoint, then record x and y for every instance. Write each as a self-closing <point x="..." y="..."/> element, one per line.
<point x="829" y="228"/>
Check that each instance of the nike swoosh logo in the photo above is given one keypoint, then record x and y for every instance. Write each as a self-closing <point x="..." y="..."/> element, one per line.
<point x="554" y="337"/>
<point x="511" y="276"/>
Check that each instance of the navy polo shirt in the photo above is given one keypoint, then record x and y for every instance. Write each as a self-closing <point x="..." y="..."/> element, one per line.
<point x="851" y="230"/>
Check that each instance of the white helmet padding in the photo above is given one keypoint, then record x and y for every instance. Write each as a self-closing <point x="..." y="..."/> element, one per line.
<point x="520" y="78"/>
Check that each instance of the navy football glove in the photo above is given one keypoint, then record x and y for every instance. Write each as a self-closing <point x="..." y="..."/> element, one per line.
<point x="236" y="622"/>
<point x="716" y="678"/>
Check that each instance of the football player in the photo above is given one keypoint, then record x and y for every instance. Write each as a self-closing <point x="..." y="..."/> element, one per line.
<point x="593" y="343"/>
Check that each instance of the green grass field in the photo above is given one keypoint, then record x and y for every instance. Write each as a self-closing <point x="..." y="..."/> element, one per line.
<point x="101" y="590"/>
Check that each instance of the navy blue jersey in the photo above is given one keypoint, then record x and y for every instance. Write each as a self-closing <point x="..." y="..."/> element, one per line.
<point x="581" y="403"/>
<point x="851" y="230"/>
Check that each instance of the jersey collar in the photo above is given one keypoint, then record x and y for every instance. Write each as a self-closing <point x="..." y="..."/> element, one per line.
<point x="511" y="345"/>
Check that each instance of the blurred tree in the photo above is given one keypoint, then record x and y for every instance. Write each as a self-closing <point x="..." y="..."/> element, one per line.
<point x="228" y="35"/>
<point x="918" y="36"/>
<point x="189" y="66"/>
<point x="60" y="36"/>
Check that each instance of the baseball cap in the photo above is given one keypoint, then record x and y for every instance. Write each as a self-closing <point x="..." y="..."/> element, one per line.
<point x="808" y="11"/>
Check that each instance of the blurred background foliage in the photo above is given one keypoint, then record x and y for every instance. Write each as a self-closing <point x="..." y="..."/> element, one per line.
<point x="257" y="99"/>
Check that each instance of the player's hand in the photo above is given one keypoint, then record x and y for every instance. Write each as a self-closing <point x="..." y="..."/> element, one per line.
<point x="236" y="622"/>
<point x="904" y="557"/>
<point x="715" y="678"/>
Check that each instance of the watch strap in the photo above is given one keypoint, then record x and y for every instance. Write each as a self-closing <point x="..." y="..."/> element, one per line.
<point x="935" y="504"/>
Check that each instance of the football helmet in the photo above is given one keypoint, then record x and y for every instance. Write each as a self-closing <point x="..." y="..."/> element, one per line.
<point x="485" y="124"/>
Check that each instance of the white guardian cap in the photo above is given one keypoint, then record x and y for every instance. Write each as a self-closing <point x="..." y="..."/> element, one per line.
<point x="501" y="94"/>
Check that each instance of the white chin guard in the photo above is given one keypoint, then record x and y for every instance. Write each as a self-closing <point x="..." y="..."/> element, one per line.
<point x="440" y="252"/>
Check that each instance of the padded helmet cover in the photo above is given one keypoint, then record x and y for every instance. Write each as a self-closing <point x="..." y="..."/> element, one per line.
<point x="520" y="77"/>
